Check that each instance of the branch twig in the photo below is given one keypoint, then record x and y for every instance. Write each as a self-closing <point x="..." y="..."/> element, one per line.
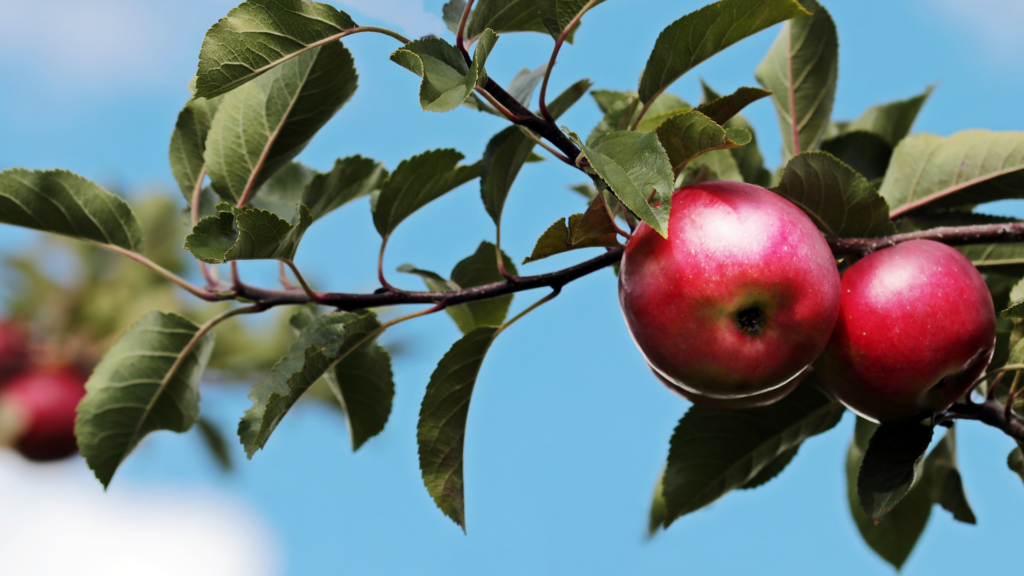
<point x="992" y="413"/>
<point x="951" y="235"/>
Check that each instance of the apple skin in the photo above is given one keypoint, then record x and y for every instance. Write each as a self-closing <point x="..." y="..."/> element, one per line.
<point x="45" y="400"/>
<point x="753" y="401"/>
<point x="740" y="298"/>
<point x="14" y="350"/>
<point x="916" y="329"/>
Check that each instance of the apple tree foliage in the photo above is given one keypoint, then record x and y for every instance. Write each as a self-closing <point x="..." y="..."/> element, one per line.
<point x="273" y="72"/>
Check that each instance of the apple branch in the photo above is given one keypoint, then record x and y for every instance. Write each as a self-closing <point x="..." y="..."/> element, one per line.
<point x="951" y="235"/>
<point x="993" y="413"/>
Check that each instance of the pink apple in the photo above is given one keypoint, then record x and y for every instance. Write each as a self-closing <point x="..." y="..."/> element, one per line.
<point x="739" y="299"/>
<point x="44" y="402"/>
<point x="916" y="329"/>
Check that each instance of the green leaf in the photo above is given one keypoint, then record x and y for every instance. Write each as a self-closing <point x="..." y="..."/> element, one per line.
<point x="623" y="110"/>
<point x="133" y="390"/>
<point x="699" y="35"/>
<point x="714" y="165"/>
<point x="260" y="127"/>
<point x="64" y="203"/>
<point x="320" y="347"/>
<point x="364" y="386"/>
<point x="447" y="80"/>
<point x="556" y="15"/>
<point x="477" y="270"/>
<point x="769" y="472"/>
<point x="282" y="192"/>
<point x="258" y="35"/>
<point x="800" y="69"/>
<point x="891" y="121"/>
<point x="749" y="161"/>
<point x="509" y="149"/>
<point x="893" y="537"/>
<point x="656" y="516"/>
<point x="839" y="200"/>
<point x="1015" y="461"/>
<point x="713" y="452"/>
<point x="451" y="13"/>
<point x="866" y="152"/>
<point x="252" y="234"/>
<point x="632" y="163"/>
<point x="215" y="443"/>
<point x="442" y="426"/>
<point x="722" y="109"/>
<point x="945" y="486"/>
<point x="689" y="135"/>
<point x="892" y="463"/>
<point x="415" y="183"/>
<point x="967" y="168"/>
<point x="188" y="143"/>
<point x="522" y="86"/>
<point x="591" y="229"/>
<point x="504" y="16"/>
<point x="350" y="179"/>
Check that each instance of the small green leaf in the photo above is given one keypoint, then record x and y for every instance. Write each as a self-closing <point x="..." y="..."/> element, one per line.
<point x="689" y="135"/>
<point x="591" y="229"/>
<point x="282" y="192"/>
<point x="253" y="234"/>
<point x="699" y="35"/>
<point x="866" y="152"/>
<point x="1015" y="461"/>
<point x="556" y="15"/>
<point x="715" y="165"/>
<point x="892" y="463"/>
<point x="504" y="16"/>
<point x="188" y="142"/>
<point x="722" y="109"/>
<point x="260" y="127"/>
<point x="839" y="200"/>
<point x="417" y="182"/>
<point x="801" y="69"/>
<point x="258" y="35"/>
<point x="320" y="347"/>
<point x="967" y="168"/>
<point x="215" y="443"/>
<point x="769" y="472"/>
<point x="451" y="13"/>
<point x="64" y="203"/>
<point x="622" y="109"/>
<point x="350" y="179"/>
<point x="749" y="160"/>
<point x="945" y="486"/>
<point x="713" y="452"/>
<point x="891" y="121"/>
<point x="133" y="391"/>
<point x="893" y="537"/>
<point x="522" y="86"/>
<point x="364" y="385"/>
<point x="509" y="149"/>
<point x="632" y="163"/>
<point x="442" y="426"/>
<point x="447" y="80"/>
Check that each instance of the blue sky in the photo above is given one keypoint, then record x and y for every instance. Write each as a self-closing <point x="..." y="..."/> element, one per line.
<point x="567" y="430"/>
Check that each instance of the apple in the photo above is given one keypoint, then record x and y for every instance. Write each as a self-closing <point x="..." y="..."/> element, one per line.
<point x="916" y="329"/>
<point x="752" y="401"/>
<point x="739" y="299"/>
<point x="43" y="401"/>
<point x="14" y="353"/>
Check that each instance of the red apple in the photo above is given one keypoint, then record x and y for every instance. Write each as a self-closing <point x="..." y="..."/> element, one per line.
<point x="738" y="300"/>
<point x="916" y="329"/>
<point x="14" y="354"/>
<point x="44" y="403"/>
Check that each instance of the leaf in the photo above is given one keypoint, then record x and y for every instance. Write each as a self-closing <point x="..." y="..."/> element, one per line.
<point x="699" y="35"/>
<point x="591" y="229"/>
<point x="839" y="200"/>
<point x="945" y="486"/>
<point x="623" y="110"/>
<point x="215" y="443"/>
<point x="451" y="13"/>
<point x="891" y="121"/>
<point x="282" y="192"/>
<point x="320" y="347"/>
<point x="252" y="234"/>
<point x="713" y="452"/>
<point x="260" y="127"/>
<point x="509" y="149"/>
<point x="133" y="392"/>
<point x="1015" y="461"/>
<point x="866" y="152"/>
<point x="442" y="426"/>
<point x="258" y="35"/>
<point x="556" y="15"/>
<point x="364" y="385"/>
<point x="689" y="135"/>
<point x="892" y="463"/>
<point x="64" y="203"/>
<point x="749" y="161"/>
<point x="522" y="86"/>
<point x="188" y="142"/>
<point x="656" y="516"/>
<point x="772" y="470"/>
<point x="967" y="168"/>
<point x="477" y="270"/>
<point x="719" y="164"/>
<point x="893" y="537"/>
<point x="350" y="179"/>
<point x="504" y="16"/>
<point x="721" y="110"/>
<point x="632" y="163"/>
<point x="447" y="80"/>
<point x="800" y="69"/>
<point x="415" y="183"/>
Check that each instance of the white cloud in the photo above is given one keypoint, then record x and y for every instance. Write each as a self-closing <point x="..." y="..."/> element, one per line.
<point x="996" y="24"/>
<point x="409" y="15"/>
<point x="57" y="520"/>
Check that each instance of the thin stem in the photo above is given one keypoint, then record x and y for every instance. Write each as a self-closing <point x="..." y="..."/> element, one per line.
<point x="209" y="272"/>
<point x="236" y="279"/>
<point x="501" y="258"/>
<point x="992" y="413"/>
<point x="380" y="267"/>
<point x="536" y="140"/>
<point x="165" y="273"/>
<point x="992" y="387"/>
<point x="950" y="235"/>
<point x="611" y="218"/>
<point x="460" y="35"/>
<point x="551" y="63"/>
<point x="315" y="297"/>
<point x="508" y="114"/>
<point x="282" y="276"/>
<point x="550" y="296"/>
<point x="1012" y="394"/>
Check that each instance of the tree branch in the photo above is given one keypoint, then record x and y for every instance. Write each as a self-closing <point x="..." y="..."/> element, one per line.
<point x="951" y="235"/>
<point x="993" y="413"/>
<point x="532" y="121"/>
